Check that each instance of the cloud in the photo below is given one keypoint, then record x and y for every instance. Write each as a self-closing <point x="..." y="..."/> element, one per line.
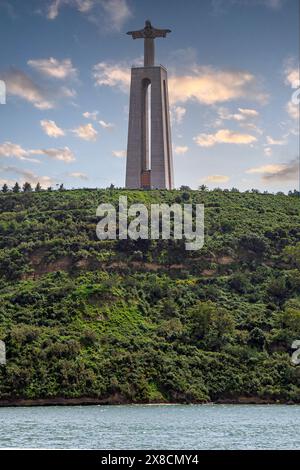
<point x="293" y="110"/>
<point x="177" y="114"/>
<point x="53" y="9"/>
<point x="54" y="68"/>
<point x="106" y="125"/>
<point x="29" y="176"/>
<point x="292" y="79"/>
<point x="110" y="12"/>
<point x="220" y="6"/>
<point x="272" y="141"/>
<point x="216" y="179"/>
<point x="9" y="149"/>
<point x="77" y="174"/>
<point x="86" y="132"/>
<point x="20" y="85"/>
<point x="119" y="153"/>
<point x="271" y="169"/>
<point x="292" y="73"/>
<point x="250" y="126"/>
<point x="204" y="84"/>
<point x="242" y="115"/>
<point x="268" y="151"/>
<point x="83" y="6"/>
<point x="62" y="154"/>
<point x="278" y="172"/>
<point x="180" y="150"/>
<point x="112" y="75"/>
<point x="117" y="12"/>
<point x="224" y="136"/>
<point x="211" y="86"/>
<point x="92" y="115"/>
<point x="51" y="129"/>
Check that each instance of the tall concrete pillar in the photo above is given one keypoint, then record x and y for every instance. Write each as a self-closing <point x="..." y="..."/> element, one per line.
<point x="149" y="151"/>
<point x="158" y="158"/>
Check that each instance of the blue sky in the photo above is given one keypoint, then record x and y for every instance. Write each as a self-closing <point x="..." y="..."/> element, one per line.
<point x="233" y="70"/>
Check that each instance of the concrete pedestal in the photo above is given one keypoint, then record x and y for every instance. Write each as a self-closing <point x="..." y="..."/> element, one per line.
<point x="155" y="159"/>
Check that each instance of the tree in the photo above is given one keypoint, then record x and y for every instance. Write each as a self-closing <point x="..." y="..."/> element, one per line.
<point x="291" y="254"/>
<point x="5" y="188"/>
<point x="16" y="188"/>
<point x="27" y="187"/>
<point x="203" y="187"/>
<point x="185" y="188"/>
<point x="38" y="188"/>
<point x="61" y="187"/>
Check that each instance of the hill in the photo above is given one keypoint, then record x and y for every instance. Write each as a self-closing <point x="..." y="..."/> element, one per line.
<point x="147" y="321"/>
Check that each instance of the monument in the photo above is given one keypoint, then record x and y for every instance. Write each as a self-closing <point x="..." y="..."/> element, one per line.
<point x="149" y="162"/>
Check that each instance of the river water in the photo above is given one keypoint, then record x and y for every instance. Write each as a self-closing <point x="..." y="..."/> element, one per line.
<point x="151" y="427"/>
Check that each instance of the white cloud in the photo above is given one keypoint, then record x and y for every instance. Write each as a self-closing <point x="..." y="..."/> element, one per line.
<point x="278" y="172"/>
<point x="292" y="79"/>
<point x="251" y="127"/>
<point x="219" y="6"/>
<point x="77" y="174"/>
<point x="68" y="92"/>
<point x="110" y="12"/>
<point x="53" y="9"/>
<point x="51" y="129"/>
<point x="181" y="150"/>
<point x="92" y="115"/>
<point x="177" y="114"/>
<point x="119" y="153"/>
<point x="30" y="177"/>
<point x="20" y="85"/>
<point x="216" y="179"/>
<point x="112" y="75"/>
<point x="204" y="84"/>
<point x="117" y="12"/>
<point x="62" y="154"/>
<point x="83" y="6"/>
<point x="211" y="86"/>
<point x="292" y="73"/>
<point x="271" y="169"/>
<point x="271" y="141"/>
<point x="293" y="110"/>
<point x="268" y="151"/>
<point x="224" y="136"/>
<point x="106" y="125"/>
<point x="54" y="68"/>
<point x="9" y="149"/>
<point x="249" y="113"/>
<point x="86" y="132"/>
<point x="242" y="115"/>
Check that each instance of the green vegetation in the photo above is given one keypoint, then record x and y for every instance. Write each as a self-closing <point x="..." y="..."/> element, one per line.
<point x="147" y="320"/>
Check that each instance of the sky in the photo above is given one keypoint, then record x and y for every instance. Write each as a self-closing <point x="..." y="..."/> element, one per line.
<point x="233" y="68"/>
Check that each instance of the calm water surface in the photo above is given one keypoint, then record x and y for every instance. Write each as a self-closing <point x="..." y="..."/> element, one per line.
<point x="152" y="427"/>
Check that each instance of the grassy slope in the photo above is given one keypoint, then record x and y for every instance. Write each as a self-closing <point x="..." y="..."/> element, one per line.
<point x="148" y="321"/>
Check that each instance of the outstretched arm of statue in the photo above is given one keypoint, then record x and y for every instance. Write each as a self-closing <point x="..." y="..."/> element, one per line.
<point x="136" y="34"/>
<point x="160" y="33"/>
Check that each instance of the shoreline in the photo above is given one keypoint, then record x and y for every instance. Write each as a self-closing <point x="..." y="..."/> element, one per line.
<point x="88" y="401"/>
